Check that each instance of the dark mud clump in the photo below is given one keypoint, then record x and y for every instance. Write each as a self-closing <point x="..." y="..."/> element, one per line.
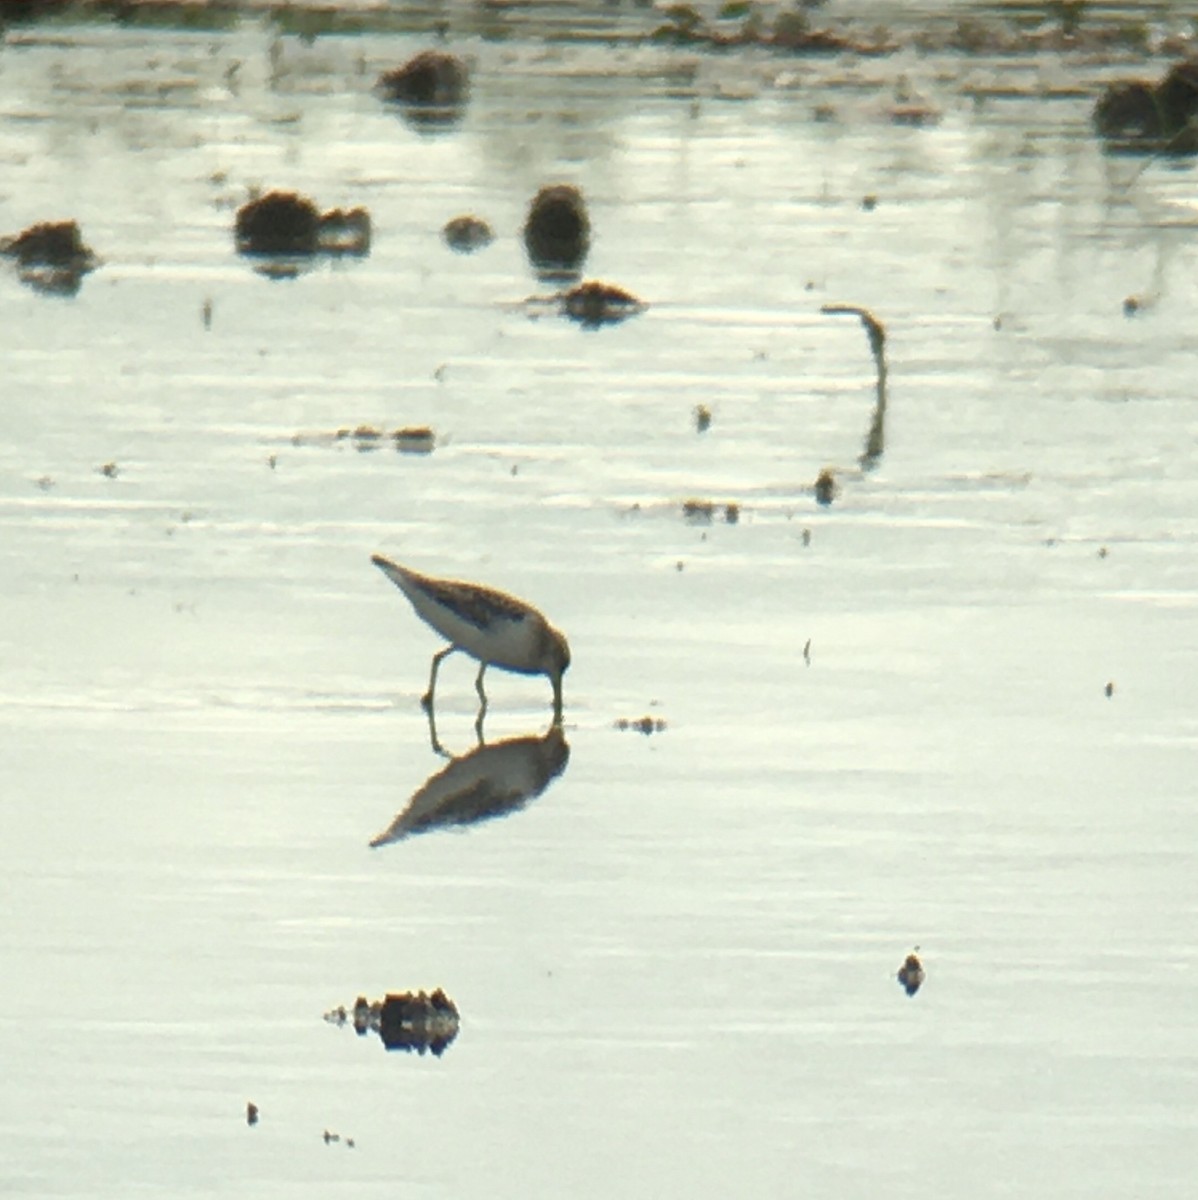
<point x="285" y="223"/>
<point x="594" y="304"/>
<point x="50" y="256"/>
<point x="411" y="1021"/>
<point x="430" y="89"/>
<point x="557" y="231"/>
<point x="1138" y="117"/>
<point x="466" y="234"/>
<point x="911" y="974"/>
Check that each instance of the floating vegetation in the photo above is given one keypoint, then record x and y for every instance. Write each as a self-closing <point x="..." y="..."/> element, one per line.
<point x="411" y="1021"/>
<point x="593" y="304"/>
<point x="288" y="224"/>
<point x="430" y="89"/>
<point x="51" y="257"/>
<point x="466" y="234"/>
<point x="911" y="974"/>
<point x="645" y="725"/>
<point x="557" y="232"/>
<point x="1143" y="118"/>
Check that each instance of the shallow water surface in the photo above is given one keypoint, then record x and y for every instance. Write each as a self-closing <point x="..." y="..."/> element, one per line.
<point x="878" y="724"/>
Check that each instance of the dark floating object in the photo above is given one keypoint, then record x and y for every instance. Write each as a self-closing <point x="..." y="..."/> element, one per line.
<point x="557" y="231"/>
<point x="645" y="725"/>
<point x="1143" y="118"/>
<point x="826" y="488"/>
<point x="593" y="304"/>
<point x="430" y="89"/>
<point x="251" y="1113"/>
<point x="704" y="512"/>
<point x="287" y="224"/>
<point x="489" y="782"/>
<point x="467" y="234"/>
<point x="51" y="257"/>
<point x="409" y="439"/>
<point x="408" y="1021"/>
<point x="702" y="418"/>
<point x="414" y="439"/>
<point x="911" y="974"/>
<point x="1109" y="689"/>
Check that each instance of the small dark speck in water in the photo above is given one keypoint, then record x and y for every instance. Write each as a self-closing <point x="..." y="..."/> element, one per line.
<point x="645" y="725"/>
<point x="825" y="487"/>
<point x="46" y="482"/>
<point x="272" y="461"/>
<point x="251" y="1113"/>
<point x="206" y="312"/>
<point x="807" y="652"/>
<point x="732" y="513"/>
<point x="911" y="974"/>
<point x="869" y="203"/>
<point x="1103" y="552"/>
<point x="702" y="417"/>
<point x="679" y="565"/>
<point x="806" y="537"/>
<point x="1132" y="305"/>
<point x="109" y="470"/>
<point x="1110" y="689"/>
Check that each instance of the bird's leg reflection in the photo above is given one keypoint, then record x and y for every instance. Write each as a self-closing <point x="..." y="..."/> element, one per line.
<point x="426" y="700"/>
<point x="435" y="741"/>
<point x="875" y="439"/>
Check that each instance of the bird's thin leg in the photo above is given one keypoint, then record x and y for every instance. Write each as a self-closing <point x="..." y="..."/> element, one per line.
<point x="427" y="699"/>
<point x="557" y="700"/>
<point x="432" y="734"/>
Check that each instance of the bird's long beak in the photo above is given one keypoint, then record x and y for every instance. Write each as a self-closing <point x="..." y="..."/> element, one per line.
<point x="557" y="699"/>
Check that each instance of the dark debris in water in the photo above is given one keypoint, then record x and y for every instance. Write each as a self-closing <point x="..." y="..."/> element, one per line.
<point x="911" y="974"/>
<point x="412" y="1021"/>
<point x="704" y="512"/>
<point x="645" y="725"/>
<point x="408" y="439"/>
<point x="50" y="256"/>
<point x="826" y="488"/>
<point x="468" y="233"/>
<point x="251" y="1113"/>
<point x="593" y="304"/>
<point x="557" y="231"/>
<point x="288" y="224"/>
<point x="430" y="89"/>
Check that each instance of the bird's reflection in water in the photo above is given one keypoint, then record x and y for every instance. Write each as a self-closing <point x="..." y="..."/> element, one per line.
<point x="487" y="782"/>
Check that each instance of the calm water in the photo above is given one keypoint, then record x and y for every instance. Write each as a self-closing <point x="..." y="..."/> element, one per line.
<point x="675" y="957"/>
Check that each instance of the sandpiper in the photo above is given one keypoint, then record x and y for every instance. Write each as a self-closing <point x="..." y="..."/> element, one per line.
<point x="489" y="625"/>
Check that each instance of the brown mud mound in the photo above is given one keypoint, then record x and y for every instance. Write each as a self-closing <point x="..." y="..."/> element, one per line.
<point x="593" y="304"/>
<point x="467" y="233"/>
